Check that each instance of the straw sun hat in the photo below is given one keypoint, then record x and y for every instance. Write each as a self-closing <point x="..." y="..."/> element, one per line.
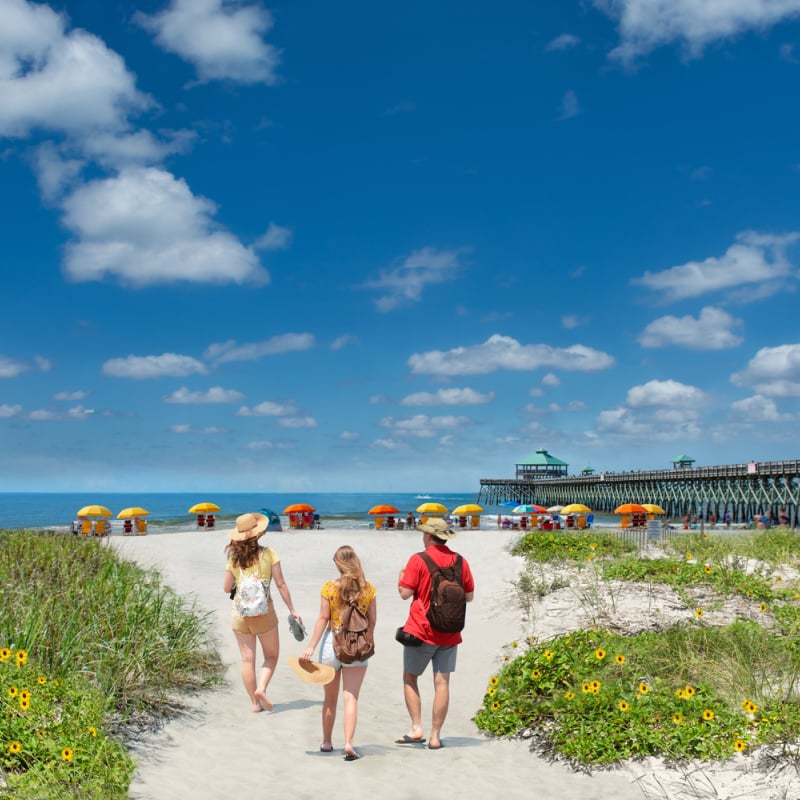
<point x="437" y="528"/>
<point x="248" y="526"/>
<point x="312" y="671"/>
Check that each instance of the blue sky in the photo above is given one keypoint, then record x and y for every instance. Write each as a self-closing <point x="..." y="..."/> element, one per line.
<point x="394" y="247"/>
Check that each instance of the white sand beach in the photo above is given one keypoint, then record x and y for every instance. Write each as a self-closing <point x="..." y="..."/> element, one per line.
<point x="221" y="744"/>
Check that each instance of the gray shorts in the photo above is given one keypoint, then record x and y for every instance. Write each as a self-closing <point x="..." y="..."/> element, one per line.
<point x="416" y="659"/>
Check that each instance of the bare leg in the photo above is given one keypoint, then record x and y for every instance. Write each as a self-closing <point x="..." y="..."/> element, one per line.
<point x="247" y="649"/>
<point x="352" y="678"/>
<point x="270" y="648"/>
<point x="413" y="704"/>
<point x="441" y="701"/>
<point x="329" y="711"/>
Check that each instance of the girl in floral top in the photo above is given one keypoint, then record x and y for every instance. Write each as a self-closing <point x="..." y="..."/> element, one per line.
<point x="351" y="585"/>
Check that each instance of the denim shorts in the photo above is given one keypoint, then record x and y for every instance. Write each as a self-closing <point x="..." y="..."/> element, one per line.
<point x="416" y="659"/>
<point x="326" y="654"/>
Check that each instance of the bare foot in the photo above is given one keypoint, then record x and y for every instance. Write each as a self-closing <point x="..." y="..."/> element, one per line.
<point x="264" y="703"/>
<point x="257" y="708"/>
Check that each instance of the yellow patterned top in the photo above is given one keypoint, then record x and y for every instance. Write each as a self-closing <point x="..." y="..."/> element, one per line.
<point x="331" y="591"/>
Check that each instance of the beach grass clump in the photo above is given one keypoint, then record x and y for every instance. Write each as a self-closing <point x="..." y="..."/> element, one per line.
<point x="548" y="546"/>
<point x="115" y="648"/>
<point x="53" y="741"/>
<point x="597" y="698"/>
<point x="691" y="690"/>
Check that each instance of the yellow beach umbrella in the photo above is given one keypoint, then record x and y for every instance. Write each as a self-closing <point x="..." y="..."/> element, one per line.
<point x="134" y="511"/>
<point x="203" y="508"/>
<point x="576" y="508"/>
<point x="94" y="511"/>
<point x="467" y="508"/>
<point x="652" y="508"/>
<point x="431" y="508"/>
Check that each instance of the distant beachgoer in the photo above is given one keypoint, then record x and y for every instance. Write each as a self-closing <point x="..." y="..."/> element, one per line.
<point x="410" y="521"/>
<point x="728" y="519"/>
<point x="499" y="521"/>
<point x="438" y="648"/>
<point x="246" y="557"/>
<point x="350" y="587"/>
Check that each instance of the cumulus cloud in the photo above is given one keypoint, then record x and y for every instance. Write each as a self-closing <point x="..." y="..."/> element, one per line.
<point x="225" y="352"/>
<point x="9" y="368"/>
<point x="664" y="393"/>
<point x="565" y="41"/>
<point x="70" y="396"/>
<point x="570" y="321"/>
<point x="145" y="227"/>
<point x="405" y="283"/>
<point x="645" y="25"/>
<point x="223" y="40"/>
<point x="209" y="430"/>
<point x="145" y="367"/>
<point x="759" y="409"/>
<point x="267" y="409"/>
<point x="422" y="426"/>
<point x="297" y="422"/>
<point x="349" y="436"/>
<point x="713" y="330"/>
<point x="216" y="394"/>
<point x="342" y="341"/>
<point x="448" y="397"/>
<point x="503" y="352"/>
<point x="570" y="107"/>
<point x="275" y="238"/>
<point x="7" y="410"/>
<point x="623" y="425"/>
<point x="59" y="81"/>
<point x="755" y="259"/>
<point x="773" y="371"/>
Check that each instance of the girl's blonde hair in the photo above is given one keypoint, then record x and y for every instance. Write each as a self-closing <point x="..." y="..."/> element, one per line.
<point x="351" y="581"/>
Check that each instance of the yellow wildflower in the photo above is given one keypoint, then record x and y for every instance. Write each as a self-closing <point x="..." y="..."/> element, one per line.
<point x="677" y="718"/>
<point x="708" y="715"/>
<point x="13" y="691"/>
<point x="688" y="692"/>
<point x="707" y="569"/>
<point x="494" y="680"/>
<point x="67" y="753"/>
<point x="762" y="608"/>
<point x="42" y="680"/>
<point x="569" y="695"/>
<point x="739" y="746"/>
<point x="15" y="747"/>
<point x="698" y="612"/>
<point x="548" y="654"/>
<point x="536" y="674"/>
<point x="600" y="654"/>
<point x="22" y="657"/>
<point x="623" y="706"/>
<point x="620" y="659"/>
<point x="92" y="730"/>
<point x="644" y="688"/>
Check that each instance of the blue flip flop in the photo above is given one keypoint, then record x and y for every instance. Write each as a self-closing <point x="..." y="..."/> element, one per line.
<point x="297" y="628"/>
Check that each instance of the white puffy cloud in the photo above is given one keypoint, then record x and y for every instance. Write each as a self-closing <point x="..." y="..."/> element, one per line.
<point x="210" y="430"/>
<point x="9" y="368"/>
<point x="563" y="42"/>
<point x="664" y="393"/>
<point x="275" y="238"/>
<point x="70" y="396"/>
<point x="145" y="367"/>
<point x="645" y="25"/>
<point x="422" y="426"/>
<point x="623" y="425"/>
<point x="297" y="422"/>
<point x="551" y="379"/>
<point x="7" y="410"/>
<point x="342" y="341"/>
<point x="146" y="227"/>
<point x="349" y="436"/>
<point x="448" y="397"/>
<point x="712" y="330"/>
<point x="267" y="409"/>
<point x="758" y="259"/>
<point x="231" y="350"/>
<point x="221" y="38"/>
<point x="57" y="80"/>
<point x="503" y="352"/>
<point x="759" y="409"/>
<point x="773" y="371"/>
<point x="570" y="321"/>
<point x="570" y="107"/>
<point x="406" y="282"/>
<point x="216" y="394"/>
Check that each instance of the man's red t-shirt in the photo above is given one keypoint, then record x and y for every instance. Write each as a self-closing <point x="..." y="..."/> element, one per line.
<point x="417" y="577"/>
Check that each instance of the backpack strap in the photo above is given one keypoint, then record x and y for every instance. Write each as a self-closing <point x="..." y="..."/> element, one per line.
<point x="434" y="567"/>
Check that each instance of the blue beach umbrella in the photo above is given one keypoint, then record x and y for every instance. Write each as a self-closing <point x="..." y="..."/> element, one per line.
<point x="509" y="504"/>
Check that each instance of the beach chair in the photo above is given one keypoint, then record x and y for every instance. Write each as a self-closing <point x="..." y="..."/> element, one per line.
<point x="141" y="527"/>
<point x="86" y="528"/>
<point x="210" y="521"/>
<point x="475" y="521"/>
<point x="581" y="522"/>
<point x="201" y="520"/>
<point x="127" y="527"/>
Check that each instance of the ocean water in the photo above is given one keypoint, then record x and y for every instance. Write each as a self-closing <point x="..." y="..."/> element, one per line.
<point x="170" y="511"/>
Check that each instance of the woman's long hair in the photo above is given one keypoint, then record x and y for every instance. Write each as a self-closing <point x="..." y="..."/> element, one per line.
<point x="245" y="553"/>
<point x="351" y="581"/>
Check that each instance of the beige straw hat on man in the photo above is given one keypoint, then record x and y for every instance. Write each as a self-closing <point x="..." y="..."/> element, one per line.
<point x="249" y="526"/>
<point x="437" y="528"/>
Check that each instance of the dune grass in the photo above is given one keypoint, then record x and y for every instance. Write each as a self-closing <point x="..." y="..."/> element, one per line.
<point x="691" y="691"/>
<point x="92" y="650"/>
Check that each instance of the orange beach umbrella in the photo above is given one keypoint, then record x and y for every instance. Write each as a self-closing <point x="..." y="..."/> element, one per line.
<point x="384" y="508"/>
<point x="630" y="508"/>
<point x="298" y="508"/>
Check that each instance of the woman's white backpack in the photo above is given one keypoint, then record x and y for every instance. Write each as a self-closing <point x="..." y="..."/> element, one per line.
<point x="252" y="595"/>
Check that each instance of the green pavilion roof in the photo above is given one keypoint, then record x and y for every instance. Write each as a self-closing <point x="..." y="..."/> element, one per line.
<point x="544" y="459"/>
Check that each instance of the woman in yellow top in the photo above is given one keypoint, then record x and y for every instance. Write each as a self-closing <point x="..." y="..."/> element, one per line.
<point x="351" y="585"/>
<point x="246" y="558"/>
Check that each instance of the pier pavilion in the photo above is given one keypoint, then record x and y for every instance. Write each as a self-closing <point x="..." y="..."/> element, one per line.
<point x="769" y="488"/>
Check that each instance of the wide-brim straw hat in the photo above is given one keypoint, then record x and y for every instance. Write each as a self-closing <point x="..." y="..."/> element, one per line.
<point x="248" y="526"/>
<point x="312" y="671"/>
<point x="437" y="528"/>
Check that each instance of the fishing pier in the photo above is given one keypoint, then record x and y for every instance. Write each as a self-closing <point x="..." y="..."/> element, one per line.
<point x="742" y="491"/>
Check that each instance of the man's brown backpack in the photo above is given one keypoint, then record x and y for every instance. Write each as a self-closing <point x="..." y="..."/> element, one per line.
<point x="448" y="604"/>
<point x="352" y="641"/>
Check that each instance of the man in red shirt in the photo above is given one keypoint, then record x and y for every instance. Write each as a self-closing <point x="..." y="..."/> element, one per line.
<point x="437" y="648"/>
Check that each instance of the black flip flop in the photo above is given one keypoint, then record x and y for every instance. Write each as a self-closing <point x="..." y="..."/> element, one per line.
<point x="406" y="739"/>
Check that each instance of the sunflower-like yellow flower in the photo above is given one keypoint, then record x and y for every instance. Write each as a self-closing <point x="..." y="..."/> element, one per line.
<point x="599" y="654"/>
<point x="22" y="657"/>
<point x="586" y="688"/>
<point x="536" y="674"/>
<point x="13" y="691"/>
<point x="749" y="706"/>
<point x="494" y="680"/>
<point x="707" y="569"/>
<point x="698" y="612"/>
<point x="548" y="654"/>
<point x="42" y="680"/>
<point x="644" y="688"/>
<point x="620" y="659"/>
<point x="688" y="692"/>
<point x="595" y="685"/>
<point x="623" y="706"/>
<point x="15" y="747"/>
<point x="24" y="704"/>
<point x="762" y="608"/>
<point x="677" y="718"/>
<point x="689" y="556"/>
<point x="92" y="730"/>
<point x="708" y="715"/>
<point x="680" y="694"/>
<point x="24" y="695"/>
<point x="739" y="746"/>
<point x="5" y="654"/>
<point x="67" y="753"/>
<point x="569" y="695"/>
<point x="495" y="705"/>
<point x="491" y="691"/>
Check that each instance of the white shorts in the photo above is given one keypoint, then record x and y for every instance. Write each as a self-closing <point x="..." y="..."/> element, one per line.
<point x="327" y="656"/>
